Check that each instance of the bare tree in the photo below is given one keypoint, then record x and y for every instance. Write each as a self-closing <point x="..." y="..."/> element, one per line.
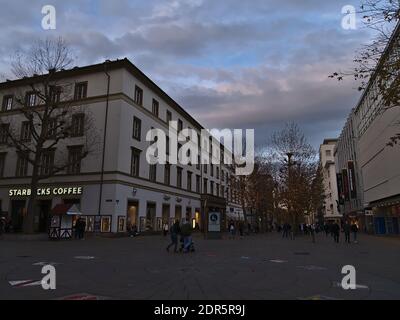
<point x="296" y="160"/>
<point x="52" y="120"/>
<point x="377" y="64"/>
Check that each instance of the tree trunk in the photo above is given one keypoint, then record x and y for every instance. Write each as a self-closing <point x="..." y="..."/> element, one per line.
<point x="28" y="225"/>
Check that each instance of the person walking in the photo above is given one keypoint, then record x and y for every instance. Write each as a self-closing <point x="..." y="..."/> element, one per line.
<point x="186" y="232"/>
<point x="347" y="228"/>
<point x="232" y="230"/>
<point x="77" y="228"/>
<point x="174" y="232"/>
<point x="312" y="232"/>
<point x="336" y="232"/>
<point x="354" y="230"/>
<point x="165" y="229"/>
<point x="241" y="230"/>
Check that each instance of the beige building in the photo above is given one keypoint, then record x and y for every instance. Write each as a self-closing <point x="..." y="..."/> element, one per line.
<point x="123" y="189"/>
<point x="327" y="160"/>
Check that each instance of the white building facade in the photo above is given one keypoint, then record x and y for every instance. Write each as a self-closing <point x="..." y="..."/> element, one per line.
<point x="327" y="160"/>
<point x="122" y="189"/>
<point x="378" y="161"/>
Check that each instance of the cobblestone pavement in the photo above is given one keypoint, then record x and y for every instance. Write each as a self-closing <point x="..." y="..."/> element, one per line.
<point x="257" y="267"/>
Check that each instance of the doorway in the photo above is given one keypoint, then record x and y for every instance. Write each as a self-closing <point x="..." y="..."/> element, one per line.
<point x="178" y="213"/>
<point x="151" y="217"/>
<point x="132" y="214"/>
<point x="165" y="213"/>
<point x="44" y="207"/>
<point x="17" y="209"/>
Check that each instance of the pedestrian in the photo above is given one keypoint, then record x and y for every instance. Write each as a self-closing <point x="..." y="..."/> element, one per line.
<point x="336" y="232"/>
<point x="174" y="232"/>
<point x="165" y="229"/>
<point x="2" y="225"/>
<point x="312" y="232"/>
<point x="347" y="228"/>
<point x="354" y="230"/>
<point x="82" y="229"/>
<point x="186" y="232"/>
<point x="241" y="230"/>
<point x="77" y="228"/>
<point x="232" y="230"/>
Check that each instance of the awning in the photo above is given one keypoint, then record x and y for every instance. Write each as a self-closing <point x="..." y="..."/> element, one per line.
<point x="65" y="209"/>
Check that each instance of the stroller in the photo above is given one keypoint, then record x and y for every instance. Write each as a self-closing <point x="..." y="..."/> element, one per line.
<point x="190" y="248"/>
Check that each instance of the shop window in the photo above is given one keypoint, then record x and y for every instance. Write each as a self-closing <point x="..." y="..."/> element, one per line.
<point x="121" y="224"/>
<point x="106" y="224"/>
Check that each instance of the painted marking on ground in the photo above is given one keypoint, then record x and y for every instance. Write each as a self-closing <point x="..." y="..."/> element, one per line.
<point x="358" y="286"/>
<point x="312" y="268"/>
<point x="245" y="258"/>
<point x="85" y="257"/>
<point x="278" y="261"/>
<point x="83" y="296"/>
<point x="44" y="263"/>
<point x="25" y="283"/>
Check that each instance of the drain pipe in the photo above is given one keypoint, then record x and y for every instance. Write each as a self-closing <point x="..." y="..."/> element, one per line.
<point x="104" y="136"/>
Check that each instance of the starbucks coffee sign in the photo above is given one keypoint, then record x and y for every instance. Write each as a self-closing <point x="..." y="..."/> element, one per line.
<point x="53" y="191"/>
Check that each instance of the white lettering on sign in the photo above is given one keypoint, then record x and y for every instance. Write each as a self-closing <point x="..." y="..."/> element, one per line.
<point x="58" y="191"/>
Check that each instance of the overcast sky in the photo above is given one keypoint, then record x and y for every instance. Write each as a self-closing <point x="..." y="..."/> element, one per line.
<point x="231" y="64"/>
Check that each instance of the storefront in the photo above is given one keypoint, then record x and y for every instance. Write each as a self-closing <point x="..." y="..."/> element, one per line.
<point x="386" y="216"/>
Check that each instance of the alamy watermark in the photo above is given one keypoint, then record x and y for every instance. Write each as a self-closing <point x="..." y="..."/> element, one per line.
<point x="349" y="20"/>
<point x="49" y="280"/>
<point x="186" y="146"/>
<point x="49" y="21"/>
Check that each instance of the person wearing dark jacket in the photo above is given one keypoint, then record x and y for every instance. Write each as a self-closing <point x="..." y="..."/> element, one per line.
<point x="174" y="232"/>
<point x="354" y="229"/>
<point x="336" y="232"/>
<point x="347" y="228"/>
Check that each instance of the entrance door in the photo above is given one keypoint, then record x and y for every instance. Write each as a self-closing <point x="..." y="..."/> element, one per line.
<point x="178" y="213"/>
<point x="44" y="215"/>
<point x="380" y="227"/>
<point x="17" y="209"/>
<point x="165" y="213"/>
<point x="132" y="214"/>
<point x="151" y="217"/>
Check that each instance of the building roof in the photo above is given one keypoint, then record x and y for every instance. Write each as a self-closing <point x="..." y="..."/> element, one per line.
<point x="101" y="67"/>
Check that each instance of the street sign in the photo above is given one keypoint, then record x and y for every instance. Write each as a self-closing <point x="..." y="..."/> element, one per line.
<point x="214" y="221"/>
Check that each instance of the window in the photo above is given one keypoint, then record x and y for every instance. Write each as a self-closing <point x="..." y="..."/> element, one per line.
<point x="22" y="164"/>
<point x="217" y="188"/>
<point x="212" y="187"/>
<point x="4" y="128"/>
<point x="52" y="129"/>
<point x="179" y="177"/>
<point x="189" y="181"/>
<point x="80" y="90"/>
<point x="30" y="99"/>
<point x="222" y="175"/>
<point x="217" y="172"/>
<point x="47" y="162"/>
<point x="156" y="107"/>
<point x="55" y="94"/>
<point x="167" y="146"/>
<point x="153" y="173"/>
<point x="137" y="128"/>
<point x="205" y="183"/>
<point x="198" y="162"/>
<point x="2" y="164"/>
<point x="212" y="170"/>
<point x="7" y="102"/>
<point x="169" y="116"/>
<point x="198" y="179"/>
<point x="135" y="162"/>
<point x="77" y="124"/>
<point x="138" y="96"/>
<point x="74" y="159"/>
<point x="205" y="168"/>
<point x="223" y="191"/>
<point x="167" y="174"/>
<point x="180" y="125"/>
<point x="25" y="131"/>
<point x="328" y="153"/>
